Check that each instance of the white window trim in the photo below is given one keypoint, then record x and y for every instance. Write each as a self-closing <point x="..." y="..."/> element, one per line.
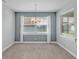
<point x="48" y="33"/>
<point x="62" y="34"/>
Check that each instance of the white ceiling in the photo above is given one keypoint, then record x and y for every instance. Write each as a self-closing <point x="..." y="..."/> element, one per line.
<point x="29" y="5"/>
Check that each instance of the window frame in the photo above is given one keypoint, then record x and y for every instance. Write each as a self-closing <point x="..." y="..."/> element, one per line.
<point x="48" y="33"/>
<point x="60" y="26"/>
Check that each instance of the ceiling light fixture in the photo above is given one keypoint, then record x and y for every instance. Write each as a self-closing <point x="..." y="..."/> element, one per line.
<point x="35" y="20"/>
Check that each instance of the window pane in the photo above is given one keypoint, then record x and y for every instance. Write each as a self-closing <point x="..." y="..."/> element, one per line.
<point x="42" y="28"/>
<point x="68" y="26"/>
<point x="64" y="19"/>
<point x="71" y="25"/>
<point x="27" y="20"/>
<point x="35" y="24"/>
<point x="29" y="28"/>
<point x="65" y="25"/>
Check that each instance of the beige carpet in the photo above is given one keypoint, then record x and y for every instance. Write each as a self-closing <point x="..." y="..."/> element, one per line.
<point x="36" y="51"/>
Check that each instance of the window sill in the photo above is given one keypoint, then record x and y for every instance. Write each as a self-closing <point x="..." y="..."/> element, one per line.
<point x="67" y="36"/>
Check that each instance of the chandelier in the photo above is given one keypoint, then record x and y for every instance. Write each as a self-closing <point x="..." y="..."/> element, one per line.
<point x="35" y="20"/>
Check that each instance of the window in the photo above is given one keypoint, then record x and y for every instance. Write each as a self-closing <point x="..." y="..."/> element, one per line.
<point x="35" y="28"/>
<point x="35" y="24"/>
<point x="67" y="23"/>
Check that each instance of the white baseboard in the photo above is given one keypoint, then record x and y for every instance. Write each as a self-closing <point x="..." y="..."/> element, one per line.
<point x="30" y="42"/>
<point x="33" y="42"/>
<point x="7" y="47"/>
<point x="67" y="50"/>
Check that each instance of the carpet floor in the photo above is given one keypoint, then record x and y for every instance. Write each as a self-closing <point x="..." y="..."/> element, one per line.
<point x="36" y="51"/>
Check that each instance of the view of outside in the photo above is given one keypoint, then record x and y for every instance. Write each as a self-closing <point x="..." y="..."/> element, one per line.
<point x="35" y="24"/>
<point x="68" y="26"/>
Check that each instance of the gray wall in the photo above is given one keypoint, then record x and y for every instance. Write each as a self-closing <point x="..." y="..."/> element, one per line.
<point x="68" y="43"/>
<point x="17" y="22"/>
<point x="8" y="26"/>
